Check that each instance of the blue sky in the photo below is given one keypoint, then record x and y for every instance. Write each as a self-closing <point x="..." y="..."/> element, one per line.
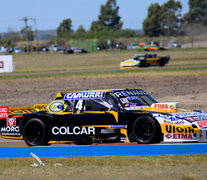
<point x="50" y="13"/>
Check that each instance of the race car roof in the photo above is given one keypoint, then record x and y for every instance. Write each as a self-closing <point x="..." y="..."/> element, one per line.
<point x="61" y="94"/>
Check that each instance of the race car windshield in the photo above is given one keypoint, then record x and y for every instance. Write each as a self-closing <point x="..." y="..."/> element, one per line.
<point x="136" y="57"/>
<point x="137" y="101"/>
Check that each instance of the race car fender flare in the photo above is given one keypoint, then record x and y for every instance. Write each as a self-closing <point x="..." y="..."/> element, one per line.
<point x="44" y="118"/>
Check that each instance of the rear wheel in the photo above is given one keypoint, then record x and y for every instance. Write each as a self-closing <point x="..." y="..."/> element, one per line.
<point x="146" y="130"/>
<point x="162" y="62"/>
<point x="35" y="132"/>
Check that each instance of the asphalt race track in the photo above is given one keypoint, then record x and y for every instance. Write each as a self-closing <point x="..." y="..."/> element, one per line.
<point x="104" y="150"/>
<point x="17" y="148"/>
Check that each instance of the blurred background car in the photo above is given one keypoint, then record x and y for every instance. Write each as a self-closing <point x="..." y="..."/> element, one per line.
<point x="3" y="50"/>
<point x="132" y="46"/>
<point x="18" y="50"/>
<point x="173" y="44"/>
<point x="77" y="50"/>
<point x="54" y="48"/>
<point x="43" y="49"/>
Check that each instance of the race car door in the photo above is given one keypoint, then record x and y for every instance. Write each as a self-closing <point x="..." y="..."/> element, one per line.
<point x="83" y="112"/>
<point x="95" y="112"/>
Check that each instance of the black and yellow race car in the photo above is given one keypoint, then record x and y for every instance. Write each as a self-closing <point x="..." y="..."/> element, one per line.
<point x="144" y="60"/>
<point x="101" y="116"/>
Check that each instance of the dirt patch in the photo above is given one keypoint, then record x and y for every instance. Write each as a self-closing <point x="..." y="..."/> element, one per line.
<point x="191" y="91"/>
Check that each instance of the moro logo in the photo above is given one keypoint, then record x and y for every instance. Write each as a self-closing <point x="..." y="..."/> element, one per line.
<point x="11" y="121"/>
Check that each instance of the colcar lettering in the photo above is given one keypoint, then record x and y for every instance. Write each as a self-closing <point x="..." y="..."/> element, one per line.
<point x="73" y="130"/>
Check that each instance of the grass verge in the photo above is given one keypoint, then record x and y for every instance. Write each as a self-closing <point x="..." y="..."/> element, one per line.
<point x="186" y="167"/>
<point x="197" y="71"/>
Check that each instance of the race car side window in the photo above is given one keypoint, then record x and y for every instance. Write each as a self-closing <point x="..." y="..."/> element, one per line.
<point x="93" y="105"/>
<point x="70" y="104"/>
<point x="113" y="103"/>
<point x="98" y="104"/>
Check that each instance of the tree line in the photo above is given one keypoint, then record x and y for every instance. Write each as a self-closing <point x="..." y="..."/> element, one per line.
<point x="161" y="20"/>
<point x="109" y="24"/>
<point x="167" y="20"/>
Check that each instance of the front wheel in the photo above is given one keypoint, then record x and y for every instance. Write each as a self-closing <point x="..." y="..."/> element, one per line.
<point x="146" y="130"/>
<point x="142" y="63"/>
<point x="35" y="132"/>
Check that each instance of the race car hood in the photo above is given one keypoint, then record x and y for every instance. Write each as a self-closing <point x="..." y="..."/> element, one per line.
<point x="199" y="117"/>
<point x="165" y="107"/>
<point x="130" y="62"/>
<point x="172" y="111"/>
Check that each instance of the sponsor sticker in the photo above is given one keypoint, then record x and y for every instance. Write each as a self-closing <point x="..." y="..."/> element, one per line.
<point x="11" y="121"/>
<point x="85" y="95"/>
<point x="189" y="114"/>
<point x="164" y="106"/>
<point x="76" y="130"/>
<point x="191" y="119"/>
<point x="1" y="64"/>
<point x="202" y="123"/>
<point x="117" y="126"/>
<point x="179" y="136"/>
<point x="124" y="100"/>
<point x="56" y="107"/>
<point x="168" y="118"/>
<point x="40" y="107"/>
<point x="169" y="128"/>
<point x="10" y="131"/>
<point x="17" y="116"/>
<point x="125" y="93"/>
<point x="4" y="112"/>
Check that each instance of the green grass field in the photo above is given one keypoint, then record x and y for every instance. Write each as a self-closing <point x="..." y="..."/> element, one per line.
<point x="188" y="167"/>
<point x="52" y="65"/>
<point x="44" y="62"/>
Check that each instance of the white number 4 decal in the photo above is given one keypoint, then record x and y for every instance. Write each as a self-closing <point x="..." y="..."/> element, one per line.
<point x="79" y="106"/>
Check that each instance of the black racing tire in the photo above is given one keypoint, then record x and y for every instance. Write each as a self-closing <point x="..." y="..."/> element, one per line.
<point x="146" y="130"/>
<point x="143" y="63"/>
<point x="35" y="132"/>
<point x="162" y="62"/>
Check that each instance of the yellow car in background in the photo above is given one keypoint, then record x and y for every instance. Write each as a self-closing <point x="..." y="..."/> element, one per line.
<point x="144" y="60"/>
